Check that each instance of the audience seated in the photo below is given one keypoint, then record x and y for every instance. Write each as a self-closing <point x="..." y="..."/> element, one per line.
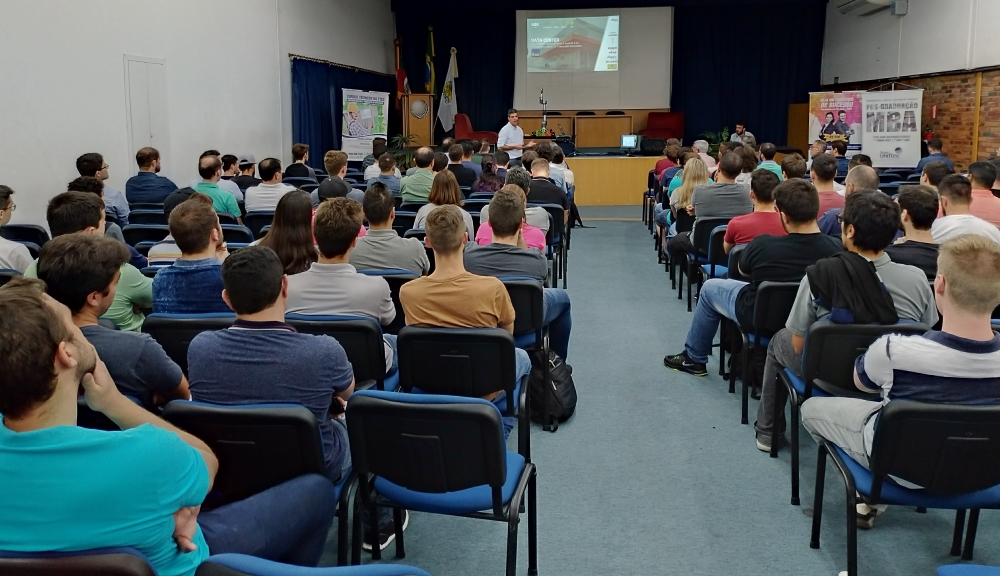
<point x="670" y="150"/>
<point x="934" y="147"/>
<point x="291" y="235"/>
<point x="876" y="289"/>
<point x="210" y="169"/>
<point x="224" y="185"/>
<point x="92" y="185"/>
<point x="764" y="219"/>
<point x="372" y="158"/>
<point x="543" y="190"/>
<point x="860" y="178"/>
<point x="822" y="173"/>
<point x="503" y="163"/>
<point x="82" y="272"/>
<point x="956" y="365"/>
<point x="934" y="172"/>
<point x="465" y="175"/>
<point x="416" y="187"/>
<point x="375" y="169"/>
<point x="767" y="258"/>
<point x="558" y="163"/>
<point x="547" y="152"/>
<point x="481" y="148"/>
<point x="164" y="252"/>
<point x="230" y="167"/>
<point x="382" y="248"/>
<point x="679" y="199"/>
<point x="141" y="489"/>
<point x="265" y="196"/>
<point x="839" y="149"/>
<point x="535" y="216"/>
<point x="918" y="206"/>
<point x="767" y="154"/>
<point x="440" y="162"/>
<point x="334" y="185"/>
<point x="13" y="255"/>
<point x="490" y="180"/>
<point x="984" y="204"/>
<point x="700" y="148"/>
<point x="859" y="160"/>
<point x="148" y="185"/>
<point x="957" y="219"/>
<point x="246" y="179"/>
<point x="93" y="164"/>
<point x="793" y="166"/>
<point x="451" y="297"/>
<point x="71" y="212"/>
<point x="750" y="158"/>
<point x="298" y="168"/>
<point x="533" y="237"/>
<point x="387" y="173"/>
<point x="815" y="149"/>
<point x="444" y="190"/>
<point x="469" y="148"/>
<point x="508" y="255"/>
<point x="192" y="284"/>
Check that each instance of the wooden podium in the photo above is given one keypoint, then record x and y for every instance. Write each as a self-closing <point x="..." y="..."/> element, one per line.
<point x="418" y="118"/>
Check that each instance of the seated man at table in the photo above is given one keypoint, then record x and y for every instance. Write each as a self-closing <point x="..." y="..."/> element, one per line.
<point x="79" y="489"/>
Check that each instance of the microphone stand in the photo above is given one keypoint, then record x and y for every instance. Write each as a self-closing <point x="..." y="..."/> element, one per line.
<point x="545" y="119"/>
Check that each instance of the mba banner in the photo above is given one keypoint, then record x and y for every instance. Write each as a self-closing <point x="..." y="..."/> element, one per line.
<point x="892" y="127"/>
<point x="365" y="118"/>
<point x="836" y="116"/>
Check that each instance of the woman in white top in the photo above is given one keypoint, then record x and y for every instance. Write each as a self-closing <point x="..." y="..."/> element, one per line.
<point x="13" y="255"/>
<point x="444" y="190"/>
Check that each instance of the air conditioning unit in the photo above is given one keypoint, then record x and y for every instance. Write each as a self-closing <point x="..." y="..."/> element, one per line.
<point x="862" y="8"/>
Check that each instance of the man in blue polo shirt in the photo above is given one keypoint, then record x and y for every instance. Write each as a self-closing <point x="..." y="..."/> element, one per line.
<point x="934" y="146"/>
<point x="148" y="185"/>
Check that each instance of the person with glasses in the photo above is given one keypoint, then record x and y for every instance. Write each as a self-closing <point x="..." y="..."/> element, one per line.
<point x="13" y="255"/>
<point x="93" y="164"/>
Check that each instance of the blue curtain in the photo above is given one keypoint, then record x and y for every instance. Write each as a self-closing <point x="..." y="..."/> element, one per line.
<point x="317" y="100"/>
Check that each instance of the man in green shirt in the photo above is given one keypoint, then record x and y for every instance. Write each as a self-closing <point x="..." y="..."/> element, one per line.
<point x="210" y="169"/>
<point x="767" y="152"/>
<point x="83" y="213"/>
<point x="417" y="186"/>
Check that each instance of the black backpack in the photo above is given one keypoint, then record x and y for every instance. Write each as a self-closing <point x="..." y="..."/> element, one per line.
<point x="555" y="403"/>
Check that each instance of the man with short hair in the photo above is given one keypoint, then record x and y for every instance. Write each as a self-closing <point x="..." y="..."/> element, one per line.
<point x="764" y="219"/>
<point x="13" y="255"/>
<point x="446" y="144"/>
<point x="82" y="271"/>
<point x="388" y="174"/>
<point x="192" y="284"/>
<point x="547" y="151"/>
<point x="298" y="168"/>
<point x="224" y="185"/>
<point x="670" y="150"/>
<point x="859" y="178"/>
<point x="839" y="152"/>
<point x="511" y="139"/>
<point x="869" y="222"/>
<point x="995" y="161"/>
<point x="859" y="160"/>
<point x="815" y="149"/>
<point x="534" y="215"/>
<point x="793" y="166"/>
<point x="165" y="252"/>
<point x="543" y="190"/>
<point x="957" y="218"/>
<point x="210" y="170"/>
<point x="701" y="148"/>
<point x="374" y="169"/>
<point x="508" y="255"/>
<point x="148" y="185"/>
<point x="246" y="178"/>
<point x="440" y="162"/>
<point x="92" y="185"/>
<point x="822" y="173"/>
<point x="503" y="163"/>
<point x="984" y="204"/>
<point x="417" y="186"/>
<point x="451" y="297"/>
<point x="267" y="194"/>
<point x="71" y="212"/>
<point x="934" y="147"/>
<point x="382" y="248"/>
<point x="767" y="154"/>
<point x="934" y="172"/>
<point x="230" y="169"/>
<point x="918" y="207"/>
<point x="372" y="158"/>
<point x="333" y="287"/>
<point x="742" y="136"/>
<point x="334" y="185"/>
<point x="468" y="150"/>
<point x="93" y="164"/>
<point x="466" y="176"/>
<point x="766" y="259"/>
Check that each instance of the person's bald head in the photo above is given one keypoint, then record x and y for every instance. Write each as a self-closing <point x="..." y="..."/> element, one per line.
<point x="861" y="177"/>
<point x="210" y="168"/>
<point x="423" y="157"/>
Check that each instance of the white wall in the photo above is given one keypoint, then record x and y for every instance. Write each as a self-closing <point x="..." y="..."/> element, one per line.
<point x="228" y="80"/>
<point x="935" y="36"/>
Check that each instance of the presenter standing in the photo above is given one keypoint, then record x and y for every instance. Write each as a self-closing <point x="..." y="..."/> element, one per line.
<point x="511" y="139"/>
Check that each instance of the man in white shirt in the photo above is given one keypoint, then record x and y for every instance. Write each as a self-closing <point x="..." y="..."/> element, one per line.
<point x="227" y="185"/>
<point x="511" y="139"/>
<point x="741" y="135"/>
<point x="265" y="196"/>
<point x="373" y="170"/>
<point x="956" y="198"/>
<point x="13" y="255"/>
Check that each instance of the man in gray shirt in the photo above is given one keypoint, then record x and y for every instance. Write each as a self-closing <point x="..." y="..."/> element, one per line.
<point x="382" y="248"/>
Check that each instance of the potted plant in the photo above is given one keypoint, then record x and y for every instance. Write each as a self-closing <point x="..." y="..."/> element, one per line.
<point x="714" y="139"/>
<point x="400" y="143"/>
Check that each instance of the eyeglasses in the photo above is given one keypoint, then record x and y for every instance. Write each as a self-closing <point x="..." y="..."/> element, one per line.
<point x="840" y="218"/>
<point x="105" y="167"/>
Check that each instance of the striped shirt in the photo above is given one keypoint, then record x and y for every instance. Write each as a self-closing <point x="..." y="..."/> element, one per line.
<point x="935" y="367"/>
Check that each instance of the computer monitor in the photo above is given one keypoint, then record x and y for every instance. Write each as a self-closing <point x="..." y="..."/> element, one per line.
<point x="630" y="142"/>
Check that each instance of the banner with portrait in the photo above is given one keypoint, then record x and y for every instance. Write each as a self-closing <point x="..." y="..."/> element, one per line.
<point x="892" y="127"/>
<point x="836" y="116"/>
<point x="364" y="119"/>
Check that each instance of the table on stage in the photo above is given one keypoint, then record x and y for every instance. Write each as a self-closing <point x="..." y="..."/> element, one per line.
<point x="611" y="180"/>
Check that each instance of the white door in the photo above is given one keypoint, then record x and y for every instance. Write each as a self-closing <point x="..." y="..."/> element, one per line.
<point x="146" y="107"/>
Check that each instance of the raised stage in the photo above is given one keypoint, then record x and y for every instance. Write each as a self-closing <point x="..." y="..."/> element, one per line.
<point x="610" y="180"/>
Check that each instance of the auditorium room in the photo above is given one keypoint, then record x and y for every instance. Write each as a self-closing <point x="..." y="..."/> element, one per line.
<point x="289" y="288"/>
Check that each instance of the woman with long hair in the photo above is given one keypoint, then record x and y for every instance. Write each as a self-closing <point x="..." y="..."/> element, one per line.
<point x="490" y="181"/>
<point x="695" y="174"/>
<point x="444" y="190"/>
<point x="749" y="157"/>
<point x="291" y="235"/>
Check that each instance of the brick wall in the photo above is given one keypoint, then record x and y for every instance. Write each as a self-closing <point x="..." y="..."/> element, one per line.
<point x="955" y="95"/>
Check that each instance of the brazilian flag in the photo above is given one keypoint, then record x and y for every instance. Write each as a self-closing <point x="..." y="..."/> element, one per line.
<point x="429" y="83"/>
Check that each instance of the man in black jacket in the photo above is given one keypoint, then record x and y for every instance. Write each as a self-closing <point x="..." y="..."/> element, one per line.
<point x="543" y="190"/>
<point x="465" y="176"/>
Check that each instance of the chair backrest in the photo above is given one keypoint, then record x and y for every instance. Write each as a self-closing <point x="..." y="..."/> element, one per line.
<point x="427" y="443"/>
<point x="110" y="218"/>
<point x="475" y="205"/>
<point x="716" y="247"/>
<point x="146" y="206"/>
<point x="831" y="349"/>
<point x="258" y="446"/>
<point x="6" y="275"/>
<point x="947" y="449"/>
<point x="174" y="332"/>
<point x="144" y="246"/>
<point x="774" y="304"/>
<point x="585" y="113"/>
<point x="891" y="188"/>
<point x="88" y="418"/>
<point x="360" y="337"/>
<point x="395" y="279"/>
<point x="527" y="296"/>
<point x="470" y="362"/>
<point x="101" y="561"/>
<point x="701" y="233"/>
<point x="418" y="233"/>
<point x="614" y="113"/>
<point x="226" y="218"/>
<point x="463" y="126"/>
<point x="297" y="180"/>
<point x="255" y="220"/>
<point x="733" y="265"/>
<point x="308" y="187"/>
<point x="25" y="233"/>
<point x="404" y="221"/>
<point x="236" y="233"/>
<point x="556" y="222"/>
<point x="135" y="233"/>
<point x="147" y="216"/>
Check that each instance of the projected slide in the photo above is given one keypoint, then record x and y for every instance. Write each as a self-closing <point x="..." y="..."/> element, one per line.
<point x="573" y="44"/>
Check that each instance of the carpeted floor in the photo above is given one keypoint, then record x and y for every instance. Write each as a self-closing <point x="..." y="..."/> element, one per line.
<point x="655" y="474"/>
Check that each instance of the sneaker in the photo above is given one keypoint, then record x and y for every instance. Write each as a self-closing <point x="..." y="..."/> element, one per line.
<point x="763" y="444"/>
<point x="386" y="534"/>
<point x="682" y="363"/>
<point x="866" y="516"/>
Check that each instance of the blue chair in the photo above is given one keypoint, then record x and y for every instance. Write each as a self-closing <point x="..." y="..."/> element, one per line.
<point x="7" y="274"/>
<point x="147" y="216"/>
<point x="174" y="332"/>
<point x="256" y="220"/>
<point x="527" y="297"/>
<point x="230" y="219"/>
<point x="718" y="261"/>
<point x="362" y="341"/>
<point x="418" y="233"/>
<point x="967" y="570"/>
<point x="103" y="561"/>
<point x="110" y="218"/>
<point x="952" y="451"/>
<point x="297" y="180"/>
<point x="136" y="233"/>
<point x="395" y="278"/>
<point x="241" y="565"/>
<point x="701" y="235"/>
<point x="442" y="455"/>
<point x="892" y="188"/>
<point x="25" y="233"/>
<point x="237" y="234"/>
<point x="404" y="220"/>
<point x="33" y="249"/>
<point x="556" y="241"/>
<point x="144" y="246"/>
<point x="145" y="206"/>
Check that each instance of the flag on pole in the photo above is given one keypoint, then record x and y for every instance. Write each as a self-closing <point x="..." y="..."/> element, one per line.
<point x="402" y="83"/>
<point x="448" y="106"/>
<point x="429" y="62"/>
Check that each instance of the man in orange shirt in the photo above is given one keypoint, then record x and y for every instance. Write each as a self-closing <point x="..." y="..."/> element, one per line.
<point x="984" y="204"/>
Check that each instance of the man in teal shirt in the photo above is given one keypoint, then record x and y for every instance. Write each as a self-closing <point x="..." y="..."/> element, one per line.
<point x="69" y="489"/>
<point x="417" y="186"/>
<point x="767" y="152"/>
<point x="210" y="169"/>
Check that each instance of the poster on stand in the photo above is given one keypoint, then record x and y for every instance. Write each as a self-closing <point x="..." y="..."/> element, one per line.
<point x="364" y="119"/>
<point x="892" y="127"/>
<point x="836" y="116"/>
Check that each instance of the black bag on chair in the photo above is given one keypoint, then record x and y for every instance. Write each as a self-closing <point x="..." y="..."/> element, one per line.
<point x="652" y="146"/>
<point x="560" y="393"/>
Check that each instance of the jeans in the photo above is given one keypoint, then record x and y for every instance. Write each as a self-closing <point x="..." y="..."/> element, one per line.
<point x="287" y="523"/>
<point x="780" y="355"/>
<point x="391" y="357"/>
<point x="717" y="301"/>
<point x="514" y="163"/>
<point x="841" y="421"/>
<point x="558" y="319"/>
